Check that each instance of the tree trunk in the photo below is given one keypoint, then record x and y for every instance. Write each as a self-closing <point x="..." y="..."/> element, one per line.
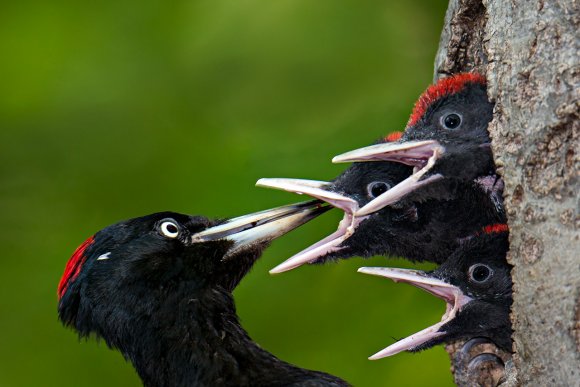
<point x="529" y="52"/>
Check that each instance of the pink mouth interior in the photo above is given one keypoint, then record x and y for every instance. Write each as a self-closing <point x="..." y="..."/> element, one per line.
<point x="413" y="153"/>
<point x="453" y="296"/>
<point x="417" y="161"/>
<point x="422" y="156"/>
<point x="331" y="243"/>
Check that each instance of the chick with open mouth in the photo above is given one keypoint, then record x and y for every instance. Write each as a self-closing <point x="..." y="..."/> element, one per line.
<point x="446" y="150"/>
<point x="476" y="285"/>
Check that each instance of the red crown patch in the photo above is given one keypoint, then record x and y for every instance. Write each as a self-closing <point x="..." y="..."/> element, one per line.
<point x="73" y="266"/>
<point x="445" y="86"/>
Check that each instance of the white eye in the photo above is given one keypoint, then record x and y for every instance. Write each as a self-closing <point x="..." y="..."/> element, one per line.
<point x="169" y="228"/>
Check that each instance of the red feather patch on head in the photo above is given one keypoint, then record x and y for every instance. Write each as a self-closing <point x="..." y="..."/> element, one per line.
<point x="496" y="228"/>
<point x="73" y="266"/>
<point x="395" y="136"/>
<point x="443" y="87"/>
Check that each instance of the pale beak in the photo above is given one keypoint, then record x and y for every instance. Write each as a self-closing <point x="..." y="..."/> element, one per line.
<point x="331" y="243"/>
<point x="413" y="153"/>
<point x="453" y="296"/>
<point x="422" y="155"/>
<point x="315" y="188"/>
<point x="261" y="227"/>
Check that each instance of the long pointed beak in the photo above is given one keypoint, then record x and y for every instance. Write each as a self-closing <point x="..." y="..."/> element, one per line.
<point x="453" y="296"/>
<point x="314" y="188"/>
<point x="414" y="153"/>
<point x="399" y="191"/>
<point x="331" y="243"/>
<point x="420" y="154"/>
<point x="263" y="226"/>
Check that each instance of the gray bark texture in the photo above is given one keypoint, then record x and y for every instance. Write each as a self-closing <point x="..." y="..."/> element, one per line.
<point x="529" y="52"/>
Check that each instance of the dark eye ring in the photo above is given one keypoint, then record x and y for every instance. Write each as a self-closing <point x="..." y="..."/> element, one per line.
<point x="376" y="188"/>
<point x="169" y="228"/>
<point x="479" y="273"/>
<point x="451" y="121"/>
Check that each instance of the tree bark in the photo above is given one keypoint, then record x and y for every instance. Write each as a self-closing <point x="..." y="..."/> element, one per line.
<point x="529" y="52"/>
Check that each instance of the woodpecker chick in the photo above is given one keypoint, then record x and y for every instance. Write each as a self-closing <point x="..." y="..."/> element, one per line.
<point x="446" y="138"/>
<point x="158" y="288"/>
<point x="334" y="193"/>
<point x="448" y="148"/>
<point x="424" y="227"/>
<point x="475" y="283"/>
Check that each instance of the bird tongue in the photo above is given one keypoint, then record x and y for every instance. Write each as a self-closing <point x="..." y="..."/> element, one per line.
<point x="452" y="295"/>
<point x="331" y="243"/>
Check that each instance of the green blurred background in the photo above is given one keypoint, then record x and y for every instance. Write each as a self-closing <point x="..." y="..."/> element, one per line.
<point x="117" y="109"/>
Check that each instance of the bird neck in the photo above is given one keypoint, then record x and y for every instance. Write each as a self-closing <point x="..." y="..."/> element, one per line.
<point x="193" y="337"/>
<point x="468" y="206"/>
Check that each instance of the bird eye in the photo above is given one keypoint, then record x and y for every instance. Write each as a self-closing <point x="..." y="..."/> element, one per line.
<point x="376" y="188"/>
<point x="169" y="228"/>
<point x="480" y="273"/>
<point x="451" y="121"/>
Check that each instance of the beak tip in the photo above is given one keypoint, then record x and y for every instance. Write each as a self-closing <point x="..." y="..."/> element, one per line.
<point x="278" y="269"/>
<point x="285" y="266"/>
<point x="380" y="355"/>
<point x="377" y="271"/>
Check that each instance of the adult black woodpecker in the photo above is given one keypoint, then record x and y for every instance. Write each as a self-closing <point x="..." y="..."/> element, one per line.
<point x="159" y="289"/>
<point x="452" y="177"/>
<point x="475" y="283"/>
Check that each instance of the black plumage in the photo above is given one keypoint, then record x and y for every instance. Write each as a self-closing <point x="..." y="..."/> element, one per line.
<point x="446" y="139"/>
<point x="467" y="146"/>
<point x="159" y="289"/>
<point x="420" y="195"/>
<point x="418" y="227"/>
<point x="476" y="284"/>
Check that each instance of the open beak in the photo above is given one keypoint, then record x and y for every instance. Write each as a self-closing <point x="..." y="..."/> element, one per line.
<point x="421" y="155"/>
<point x="263" y="226"/>
<point x="452" y="295"/>
<point x="319" y="190"/>
<point x="413" y="153"/>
